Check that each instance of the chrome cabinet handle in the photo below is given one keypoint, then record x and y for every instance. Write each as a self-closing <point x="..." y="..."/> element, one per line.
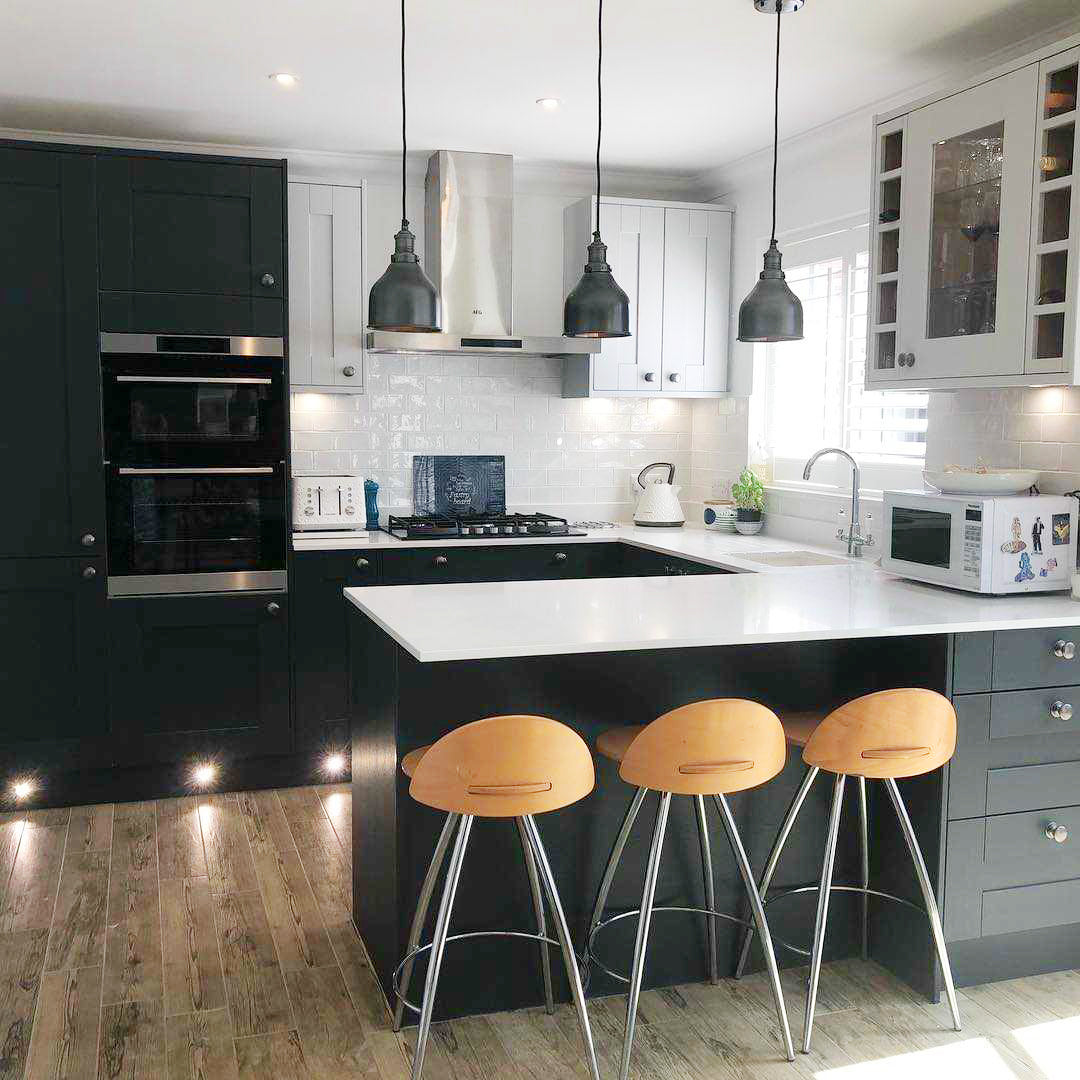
<point x="348" y="371"/>
<point x="273" y="607"/>
<point x="362" y="564"/>
<point x="906" y="359"/>
<point x="440" y="560"/>
<point x="1061" y="710"/>
<point x="673" y="377"/>
<point x="1064" y="650"/>
<point x="560" y="556"/>
<point x="268" y="280"/>
<point x="89" y="573"/>
<point x="1058" y="833"/>
<point x="649" y="376"/>
<point x="88" y="540"/>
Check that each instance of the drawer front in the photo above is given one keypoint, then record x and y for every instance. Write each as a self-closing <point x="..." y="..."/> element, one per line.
<point x="1032" y="712"/>
<point x="543" y="561"/>
<point x="439" y="565"/>
<point x="1026" y="659"/>
<point x="1007" y="911"/>
<point x="1028" y="787"/>
<point x="1018" y="850"/>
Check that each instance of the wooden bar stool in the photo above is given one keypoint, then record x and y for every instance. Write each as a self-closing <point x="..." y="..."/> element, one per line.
<point x="884" y="736"/>
<point x="713" y="748"/>
<point x="501" y="767"/>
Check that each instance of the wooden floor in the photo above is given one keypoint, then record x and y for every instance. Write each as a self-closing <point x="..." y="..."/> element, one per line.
<point x="209" y="939"/>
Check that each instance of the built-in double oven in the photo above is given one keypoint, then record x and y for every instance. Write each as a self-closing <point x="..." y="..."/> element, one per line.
<point x="195" y="449"/>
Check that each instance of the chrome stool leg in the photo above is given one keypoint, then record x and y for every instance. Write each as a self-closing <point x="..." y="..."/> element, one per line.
<point x="710" y="887"/>
<point x="644" y="918"/>
<point x="864" y="849"/>
<point x="759" y="918"/>
<point x="569" y="958"/>
<point x="438" y="943"/>
<point x="928" y="896"/>
<point x="420" y="917"/>
<point x="774" y="856"/>
<point x="613" y="864"/>
<point x="822" y="909"/>
<point x="541" y="921"/>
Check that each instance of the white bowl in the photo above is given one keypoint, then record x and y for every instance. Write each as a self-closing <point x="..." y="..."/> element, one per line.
<point x="991" y="482"/>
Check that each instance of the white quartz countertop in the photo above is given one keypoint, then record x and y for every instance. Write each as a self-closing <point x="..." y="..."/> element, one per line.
<point x="762" y="603"/>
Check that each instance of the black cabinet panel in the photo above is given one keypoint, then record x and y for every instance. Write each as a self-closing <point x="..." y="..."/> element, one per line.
<point x="174" y="225"/>
<point x="199" y="674"/>
<point x="639" y="562"/>
<point x="50" y="411"/>
<point x="175" y="313"/>
<point x="53" y="675"/>
<point x="320" y="640"/>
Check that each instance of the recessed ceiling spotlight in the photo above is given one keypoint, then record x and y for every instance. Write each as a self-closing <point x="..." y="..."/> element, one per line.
<point x="335" y="763"/>
<point x="22" y="789"/>
<point x="549" y="103"/>
<point x="204" y="774"/>
<point x="285" y="78"/>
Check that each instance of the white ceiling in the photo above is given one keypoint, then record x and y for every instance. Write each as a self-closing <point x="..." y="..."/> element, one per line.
<point x="687" y="85"/>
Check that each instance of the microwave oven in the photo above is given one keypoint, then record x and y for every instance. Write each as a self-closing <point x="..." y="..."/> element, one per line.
<point x="995" y="545"/>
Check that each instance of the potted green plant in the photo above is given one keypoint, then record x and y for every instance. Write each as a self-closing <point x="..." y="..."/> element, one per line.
<point x="748" y="492"/>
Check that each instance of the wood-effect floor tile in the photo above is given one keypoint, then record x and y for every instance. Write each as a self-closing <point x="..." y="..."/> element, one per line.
<point x="295" y="920"/>
<point x="193" y="977"/>
<point x="90" y="829"/>
<point x="364" y="988"/>
<point x="11" y="830"/>
<point x="30" y="896"/>
<point x="180" y="844"/>
<point x="228" y="854"/>
<point x="132" y="1041"/>
<point x="322" y="856"/>
<point x="78" y="926"/>
<point x="336" y="802"/>
<point x="64" y="1043"/>
<point x="199" y="1046"/>
<point x="133" y="938"/>
<point x="265" y="824"/>
<point x="254" y="986"/>
<point x="272" y="1057"/>
<point x="22" y="956"/>
<point x="331" y="1033"/>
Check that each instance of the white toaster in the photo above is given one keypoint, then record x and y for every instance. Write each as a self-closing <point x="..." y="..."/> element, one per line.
<point x="328" y="502"/>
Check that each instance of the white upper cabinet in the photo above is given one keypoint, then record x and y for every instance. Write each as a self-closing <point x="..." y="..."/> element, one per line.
<point x="674" y="262"/>
<point x="975" y="235"/>
<point x="326" y="287"/>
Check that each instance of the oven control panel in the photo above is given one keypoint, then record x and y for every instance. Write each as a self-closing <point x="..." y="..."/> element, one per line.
<point x="328" y="502"/>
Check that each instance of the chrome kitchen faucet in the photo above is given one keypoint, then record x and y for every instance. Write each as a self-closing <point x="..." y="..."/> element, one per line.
<point x="855" y="540"/>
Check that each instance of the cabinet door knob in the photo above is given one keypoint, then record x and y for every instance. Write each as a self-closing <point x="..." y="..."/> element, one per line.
<point x="273" y="607"/>
<point x="89" y="573"/>
<point x="1064" y="650"/>
<point x="348" y="371"/>
<point x="649" y="376"/>
<point x="362" y="564"/>
<point x="1058" y="833"/>
<point x="440" y="560"/>
<point x="268" y="280"/>
<point x="88" y="540"/>
<point x="560" y="556"/>
<point x="1061" y="710"/>
<point x="673" y="377"/>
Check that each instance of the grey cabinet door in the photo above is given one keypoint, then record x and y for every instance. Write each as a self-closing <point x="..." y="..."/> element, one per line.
<point x="1026" y="658"/>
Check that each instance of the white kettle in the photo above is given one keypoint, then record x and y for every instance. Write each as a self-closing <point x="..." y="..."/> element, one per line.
<point x="658" y="504"/>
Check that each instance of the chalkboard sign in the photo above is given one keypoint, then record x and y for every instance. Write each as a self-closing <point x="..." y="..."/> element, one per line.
<point x="457" y="485"/>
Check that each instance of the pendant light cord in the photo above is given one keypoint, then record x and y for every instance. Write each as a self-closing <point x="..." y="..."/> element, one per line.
<point x="404" y="220"/>
<point x="599" y="102"/>
<point x="776" y="119"/>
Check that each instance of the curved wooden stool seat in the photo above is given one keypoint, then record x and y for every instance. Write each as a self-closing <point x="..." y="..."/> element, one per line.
<point x="499" y="767"/>
<point x="707" y="748"/>
<point x="883" y="736"/>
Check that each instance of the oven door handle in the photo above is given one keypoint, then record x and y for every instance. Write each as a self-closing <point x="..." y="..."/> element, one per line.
<point x="262" y="470"/>
<point x="242" y="380"/>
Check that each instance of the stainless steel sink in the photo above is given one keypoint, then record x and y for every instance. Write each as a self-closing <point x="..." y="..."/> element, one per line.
<point x="794" y="558"/>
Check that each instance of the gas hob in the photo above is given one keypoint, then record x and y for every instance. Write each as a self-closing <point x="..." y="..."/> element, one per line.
<point x="477" y="526"/>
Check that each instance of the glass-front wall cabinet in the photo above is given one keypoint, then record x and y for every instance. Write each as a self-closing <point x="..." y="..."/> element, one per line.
<point x="975" y="234"/>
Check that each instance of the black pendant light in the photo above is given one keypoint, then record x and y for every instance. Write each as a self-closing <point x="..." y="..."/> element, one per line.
<point x="596" y="306"/>
<point x="772" y="312"/>
<point x="404" y="298"/>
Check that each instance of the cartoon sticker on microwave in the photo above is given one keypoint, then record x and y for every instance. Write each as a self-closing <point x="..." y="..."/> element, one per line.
<point x="1011" y="547"/>
<point x="1037" y="530"/>
<point x="1060" y="528"/>
<point x="1051" y="565"/>
<point x="1026" y="573"/>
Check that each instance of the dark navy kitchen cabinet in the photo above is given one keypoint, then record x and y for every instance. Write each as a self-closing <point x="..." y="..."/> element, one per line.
<point x="191" y="245"/>
<point x="320" y="642"/>
<point x="53" y="674"/>
<point x="199" y="675"/>
<point x="50" y="410"/>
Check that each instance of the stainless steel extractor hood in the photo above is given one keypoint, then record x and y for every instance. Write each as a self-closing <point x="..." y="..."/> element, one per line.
<point x="468" y="253"/>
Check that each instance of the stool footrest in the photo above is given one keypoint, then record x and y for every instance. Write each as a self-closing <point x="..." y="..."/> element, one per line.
<point x="414" y="953"/>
